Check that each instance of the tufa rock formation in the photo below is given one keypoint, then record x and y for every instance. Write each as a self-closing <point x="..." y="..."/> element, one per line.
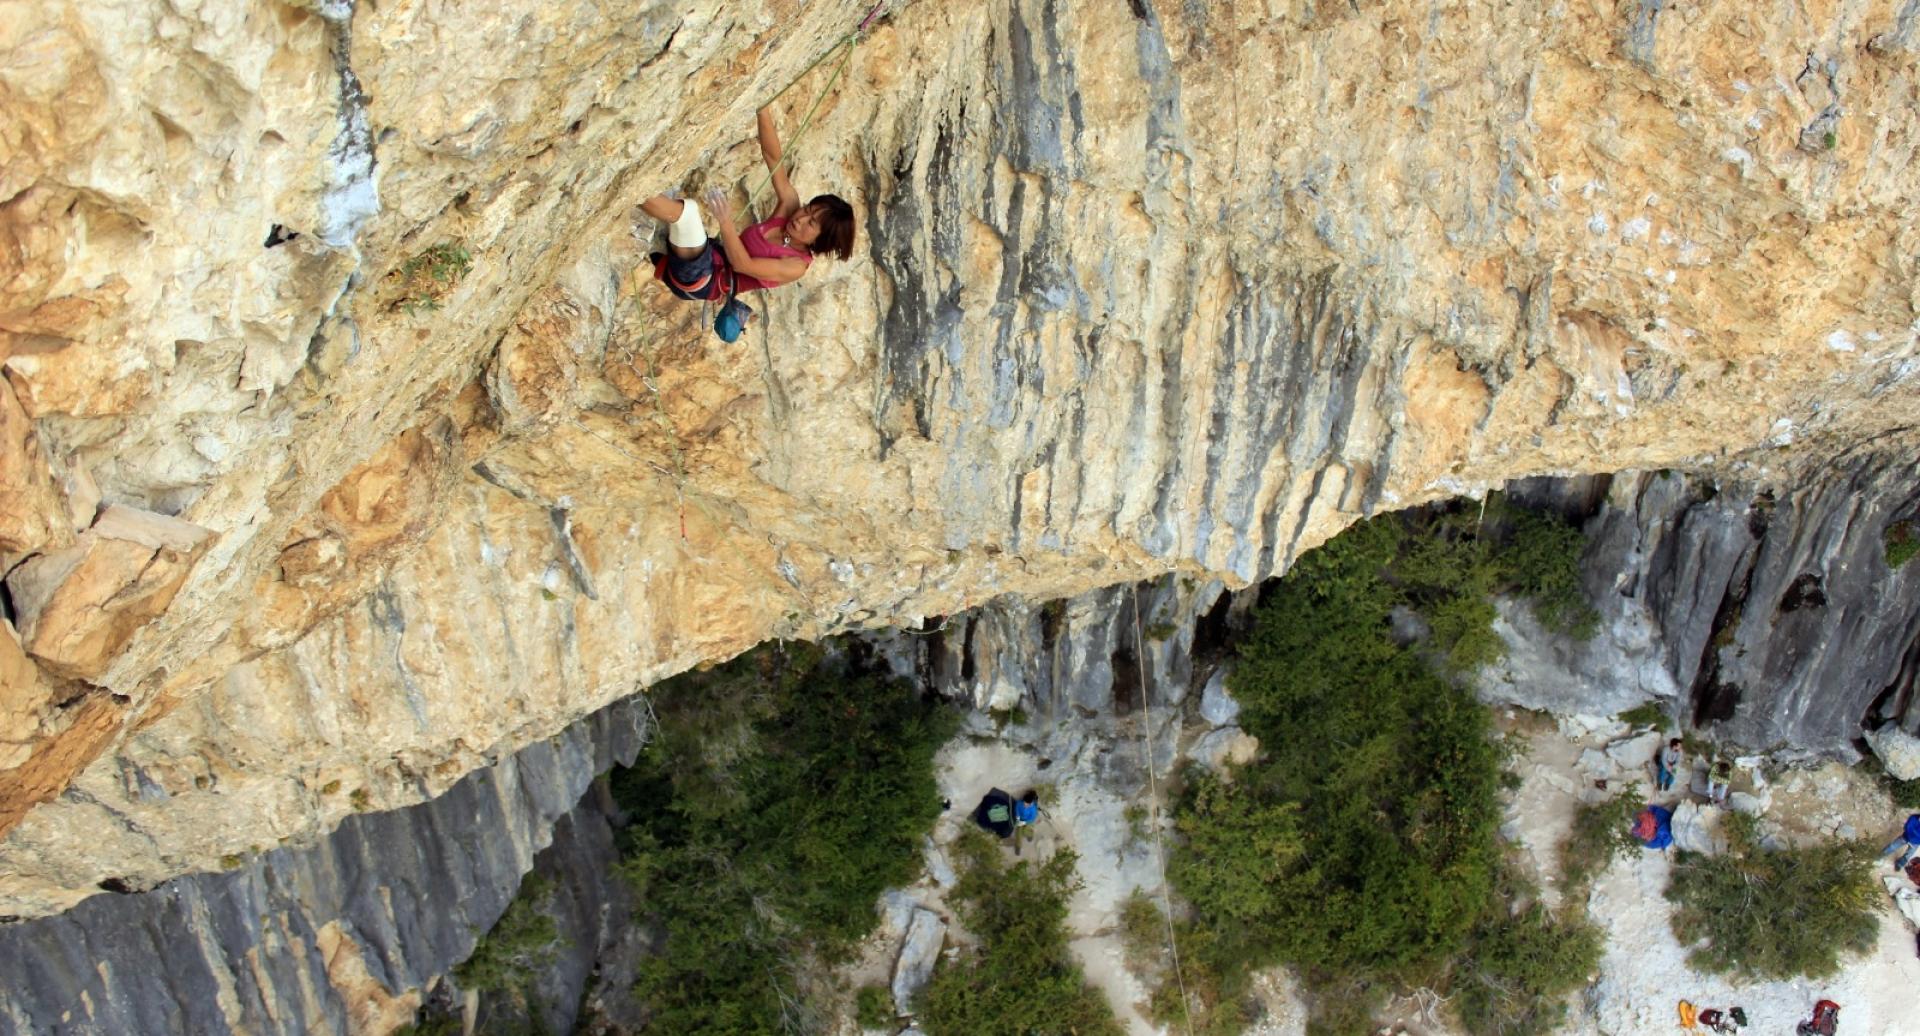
<point x="343" y="451"/>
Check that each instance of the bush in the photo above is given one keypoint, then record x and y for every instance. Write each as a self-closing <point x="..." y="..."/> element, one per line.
<point x="1761" y="914"/>
<point x="426" y="278"/>
<point x="1519" y="966"/>
<point x="1905" y="794"/>
<point x="1360" y="848"/>
<point x="1601" y="831"/>
<point x="782" y="794"/>
<point x="1020" y="980"/>
<point x="1902" y="543"/>
<point x="873" y="1007"/>
<point x="429" y="1023"/>
<point x="1143" y="932"/>
<point x="1542" y="563"/>
<point x="1361" y="845"/>
<point x="510" y="955"/>
<point x="1647" y="714"/>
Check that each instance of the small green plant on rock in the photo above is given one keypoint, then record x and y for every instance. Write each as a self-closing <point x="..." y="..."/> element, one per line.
<point x="873" y="1007"/>
<point x="1902" y="543"/>
<point x="1774" y="914"/>
<point x="426" y="278"/>
<point x="1647" y="714"/>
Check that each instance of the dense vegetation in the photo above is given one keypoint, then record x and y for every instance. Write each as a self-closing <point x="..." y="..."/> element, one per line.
<point x="1020" y="980"/>
<point x="782" y="794"/>
<point x="525" y="939"/>
<point x="1519" y="963"/>
<point x="1360" y="848"/>
<point x="1780" y="913"/>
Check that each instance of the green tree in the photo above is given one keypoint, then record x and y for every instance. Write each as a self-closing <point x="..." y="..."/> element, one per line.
<point x="1774" y="914"/>
<point x="1360" y="847"/>
<point x="1020" y="980"/>
<point x="785" y="790"/>
<point x="1520" y="963"/>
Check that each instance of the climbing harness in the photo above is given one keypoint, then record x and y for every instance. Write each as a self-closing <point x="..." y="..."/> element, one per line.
<point x="1153" y="805"/>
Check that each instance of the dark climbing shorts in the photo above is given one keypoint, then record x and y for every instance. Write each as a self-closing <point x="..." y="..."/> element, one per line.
<point x="694" y="278"/>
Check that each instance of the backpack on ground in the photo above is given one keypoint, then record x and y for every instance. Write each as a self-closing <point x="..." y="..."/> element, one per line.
<point x="1826" y="1020"/>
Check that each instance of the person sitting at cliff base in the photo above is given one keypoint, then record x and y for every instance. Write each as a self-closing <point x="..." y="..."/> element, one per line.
<point x="1906" y="844"/>
<point x="777" y="250"/>
<point x="1026" y="812"/>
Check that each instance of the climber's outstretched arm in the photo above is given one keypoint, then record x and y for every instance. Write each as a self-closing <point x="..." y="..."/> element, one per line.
<point x="788" y="199"/>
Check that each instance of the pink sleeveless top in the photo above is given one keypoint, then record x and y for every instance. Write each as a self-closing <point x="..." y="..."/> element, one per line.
<point x="760" y="241"/>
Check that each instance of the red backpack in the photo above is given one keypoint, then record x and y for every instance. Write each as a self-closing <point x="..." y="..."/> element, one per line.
<point x="1826" y="1020"/>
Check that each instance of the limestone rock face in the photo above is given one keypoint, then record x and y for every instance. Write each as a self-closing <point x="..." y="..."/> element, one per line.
<point x="1772" y="613"/>
<point x="1138" y="289"/>
<point x="340" y="937"/>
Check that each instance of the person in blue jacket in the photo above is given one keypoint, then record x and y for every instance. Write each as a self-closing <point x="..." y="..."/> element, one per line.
<point x="1906" y="844"/>
<point x="1026" y="812"/>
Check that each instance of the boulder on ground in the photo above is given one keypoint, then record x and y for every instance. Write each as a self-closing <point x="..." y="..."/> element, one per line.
<point x="1898" y="750"/>
<point x="1637" y="752"/>
<point x="1905" y="896"/>
<point x="1697" y="828"/>
<point x="897" y="907"/>
<point x="917" y="957"/>
<point x="1217" y="748"/>
<point x="1217" y="707"/>
<point x="939" y="868"/>
<point x="1595" y="763"/>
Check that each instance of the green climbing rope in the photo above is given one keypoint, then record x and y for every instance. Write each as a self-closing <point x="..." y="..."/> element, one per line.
<point x="845" y="49"/>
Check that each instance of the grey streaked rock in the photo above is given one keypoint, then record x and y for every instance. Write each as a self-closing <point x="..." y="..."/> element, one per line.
<point x="918" y="955"/>
<point x="409" y="891"/>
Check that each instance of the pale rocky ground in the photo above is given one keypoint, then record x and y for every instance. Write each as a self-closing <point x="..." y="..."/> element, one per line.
<point x="1141" y="289"/>
<point x="1643" y="974"/>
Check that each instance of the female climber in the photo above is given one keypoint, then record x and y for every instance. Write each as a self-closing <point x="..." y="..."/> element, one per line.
<point x="772" y="252"/>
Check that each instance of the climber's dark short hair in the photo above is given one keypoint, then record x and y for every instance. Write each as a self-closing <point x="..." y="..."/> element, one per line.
<point x="835" y="218"/>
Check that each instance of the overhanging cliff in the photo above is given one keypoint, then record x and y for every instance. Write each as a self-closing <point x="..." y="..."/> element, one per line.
<point x="1141" y="288"/>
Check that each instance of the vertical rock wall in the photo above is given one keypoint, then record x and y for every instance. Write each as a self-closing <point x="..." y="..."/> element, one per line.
<point x="340" y="937"/>
<point x="1782" y="624"/>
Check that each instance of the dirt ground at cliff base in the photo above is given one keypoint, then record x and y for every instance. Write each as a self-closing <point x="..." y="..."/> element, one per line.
<point x="1643" y="971"/>
<point x="1088" y="782"/>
